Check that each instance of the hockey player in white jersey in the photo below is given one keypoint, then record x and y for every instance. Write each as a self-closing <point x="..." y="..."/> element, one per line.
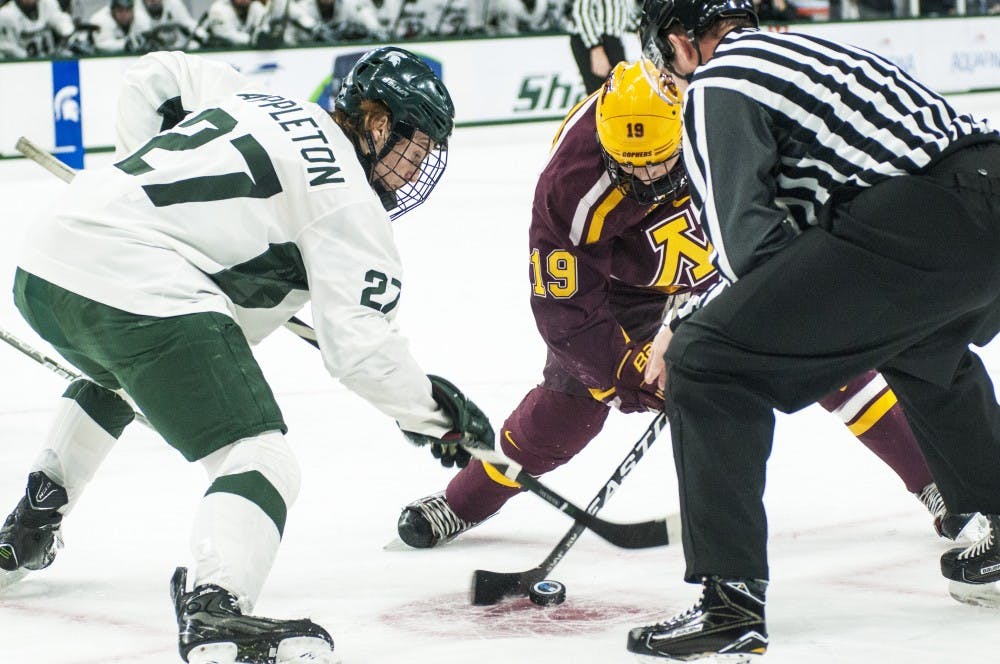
<point x="234" y="22"/>
<point x="33" y="28"/>
<point x="151" y="276"/>
<point x="119" y="28"/>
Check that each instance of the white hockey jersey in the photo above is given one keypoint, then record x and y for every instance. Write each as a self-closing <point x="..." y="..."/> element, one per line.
<point x="224" y="25"/>
<point x="23" y="37"/>
<point x="305" y="17"/>
<point x="250" y="208"/>
<point x="110" y="37"/>
<point x="165" y="26"/>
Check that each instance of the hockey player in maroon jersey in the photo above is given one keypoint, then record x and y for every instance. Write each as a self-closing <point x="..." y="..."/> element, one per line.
<point x="613" y="245"/>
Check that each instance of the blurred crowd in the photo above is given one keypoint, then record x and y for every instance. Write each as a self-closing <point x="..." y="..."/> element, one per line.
<point x="61" y="28"/>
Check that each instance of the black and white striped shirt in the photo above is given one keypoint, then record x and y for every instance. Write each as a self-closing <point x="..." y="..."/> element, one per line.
<point x="592" y="18"/>
<point x="774" y="123"/>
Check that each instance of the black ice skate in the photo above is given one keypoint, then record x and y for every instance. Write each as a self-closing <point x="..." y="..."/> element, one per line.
<point x="956" y="527"/>
<point x="726" y="625"/>
<point x="975" y="571"/>
<point x="430" y="521"/>
<point x="213" y="630"/>
<point x="30" y="536"/>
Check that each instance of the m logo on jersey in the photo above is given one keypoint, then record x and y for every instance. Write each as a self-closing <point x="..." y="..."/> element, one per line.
<point x="685" y="253"/>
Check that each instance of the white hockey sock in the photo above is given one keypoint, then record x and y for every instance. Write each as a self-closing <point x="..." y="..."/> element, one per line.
<point x="74" y="448"/>
<point x="238" y="525"/>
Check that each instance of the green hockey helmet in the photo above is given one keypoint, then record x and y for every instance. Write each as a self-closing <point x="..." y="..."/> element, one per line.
<point x="406" y="84"/>
<point x="401" y="175"/>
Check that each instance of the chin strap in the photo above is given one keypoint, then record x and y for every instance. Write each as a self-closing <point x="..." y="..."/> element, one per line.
<point x="368" y="161"/>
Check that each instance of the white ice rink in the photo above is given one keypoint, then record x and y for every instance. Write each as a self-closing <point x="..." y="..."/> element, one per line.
<point x="854" y="561"/>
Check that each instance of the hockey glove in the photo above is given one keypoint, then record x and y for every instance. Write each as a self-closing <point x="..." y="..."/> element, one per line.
<point x="470" y="426"/>
<point x="630" y="393"/>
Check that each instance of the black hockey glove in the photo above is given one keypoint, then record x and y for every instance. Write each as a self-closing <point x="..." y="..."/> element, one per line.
<point x="470" y="426"/>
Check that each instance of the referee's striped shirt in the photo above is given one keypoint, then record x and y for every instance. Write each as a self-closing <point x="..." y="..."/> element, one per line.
<point x="592" y="18"/>
<point x="776" y="122"/>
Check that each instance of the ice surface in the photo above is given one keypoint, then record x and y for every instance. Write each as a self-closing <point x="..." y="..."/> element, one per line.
<point x="854" y="561"/>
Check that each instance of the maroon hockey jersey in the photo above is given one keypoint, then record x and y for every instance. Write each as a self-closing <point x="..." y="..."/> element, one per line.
<point x="590" y="244"/>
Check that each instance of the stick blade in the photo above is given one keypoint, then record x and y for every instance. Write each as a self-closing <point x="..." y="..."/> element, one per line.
<point x="489" y="588"/>
<point x="640" y="535"/>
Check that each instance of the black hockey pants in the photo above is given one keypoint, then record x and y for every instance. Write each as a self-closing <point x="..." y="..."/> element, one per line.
<point x="901" y="278"/>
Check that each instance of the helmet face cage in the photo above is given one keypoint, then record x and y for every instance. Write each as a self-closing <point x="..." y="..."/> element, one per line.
<point x="644" y="190"/>
<point x="418" y="179"/>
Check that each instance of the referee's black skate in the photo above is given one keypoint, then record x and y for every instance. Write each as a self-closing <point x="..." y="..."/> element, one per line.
<point x="974" y="571"/>
<point x="430" y="521"/>
<point x="30" y="536"/>
<point x="213" y="630"/>
<point x="726" y="625"/>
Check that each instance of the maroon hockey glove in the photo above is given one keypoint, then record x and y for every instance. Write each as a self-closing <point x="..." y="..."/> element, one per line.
<point x="631" y="394"/>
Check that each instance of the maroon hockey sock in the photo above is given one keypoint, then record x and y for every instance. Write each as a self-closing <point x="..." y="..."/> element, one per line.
<point x="546" y="430"/>
<point x="870" y="411"/>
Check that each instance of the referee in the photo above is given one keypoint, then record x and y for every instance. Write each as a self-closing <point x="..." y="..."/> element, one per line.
<point x="855" y="217"/>
<point x="596" y="28"/>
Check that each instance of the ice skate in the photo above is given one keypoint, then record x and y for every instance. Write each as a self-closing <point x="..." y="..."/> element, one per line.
<point x="957" y="527"/>
<point x="975" y="571"/>
<point x="213" y="630"/>
<point x="30" y="536"/>
<point x="430" y="521"/>
<point x="726" y="625"/>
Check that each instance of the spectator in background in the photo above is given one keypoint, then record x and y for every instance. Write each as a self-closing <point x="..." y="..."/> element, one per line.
<point x="234" y="22"/>
<point x="33" y="28"/>
<point x="171" y="26"/>
<point x="118" y="29"/>
<point x="775" y="11"/>
<point x="596" y="29"/>
<point x="430" y="18"/>
<point x="495" y="17"/>
<point x="544" y="16"/>
<point x="330" y="21"/>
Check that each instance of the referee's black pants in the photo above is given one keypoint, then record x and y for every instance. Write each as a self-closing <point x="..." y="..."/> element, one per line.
<point x="901" y="278"/>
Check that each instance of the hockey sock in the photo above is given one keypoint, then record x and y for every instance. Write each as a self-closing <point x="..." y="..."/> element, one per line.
<point x="88" y="422"/>
<point x="870" y="411"/>
<point x="547" y="429"/>
<point x="240" y="520"/>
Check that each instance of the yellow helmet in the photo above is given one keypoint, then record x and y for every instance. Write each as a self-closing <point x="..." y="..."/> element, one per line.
<point x="639" y="125"/>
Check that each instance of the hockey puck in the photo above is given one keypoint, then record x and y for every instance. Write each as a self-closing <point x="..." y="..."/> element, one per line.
<point x="547" y="593"/>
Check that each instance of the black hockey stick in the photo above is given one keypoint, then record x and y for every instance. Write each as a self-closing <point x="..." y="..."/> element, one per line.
<point x="54" y="366"/>
<point x="491" y="587"/>
<point x="638" y="535"/>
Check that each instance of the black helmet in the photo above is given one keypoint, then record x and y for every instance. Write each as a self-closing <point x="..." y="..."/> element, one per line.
<point x="417" y="101"/>
<point x="404" y="83"/>
<point x="695" y="16"/>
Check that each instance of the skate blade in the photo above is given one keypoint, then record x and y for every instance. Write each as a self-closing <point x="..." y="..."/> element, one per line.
<point x="976" y="594"/>
<point x="8" y="579"/>
<point x="397" y="545"/>
<point x="304" y="650"/>
<point x="707" y="658"/>
<point x="213" y="653"/>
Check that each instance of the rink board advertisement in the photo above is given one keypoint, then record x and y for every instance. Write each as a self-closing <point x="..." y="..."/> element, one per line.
<point x="61" y="104"/>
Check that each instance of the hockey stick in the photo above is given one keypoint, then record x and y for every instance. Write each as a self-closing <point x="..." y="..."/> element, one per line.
<point x="31" y="150"/>
<point x="638" y="535"/>
<point x="54" y="366"/>
<point x="491" y="587"/>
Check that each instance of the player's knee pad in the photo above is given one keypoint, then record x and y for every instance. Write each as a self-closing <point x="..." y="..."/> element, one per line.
<point x="261" y="469"/>
<point x="549" y="428"/>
